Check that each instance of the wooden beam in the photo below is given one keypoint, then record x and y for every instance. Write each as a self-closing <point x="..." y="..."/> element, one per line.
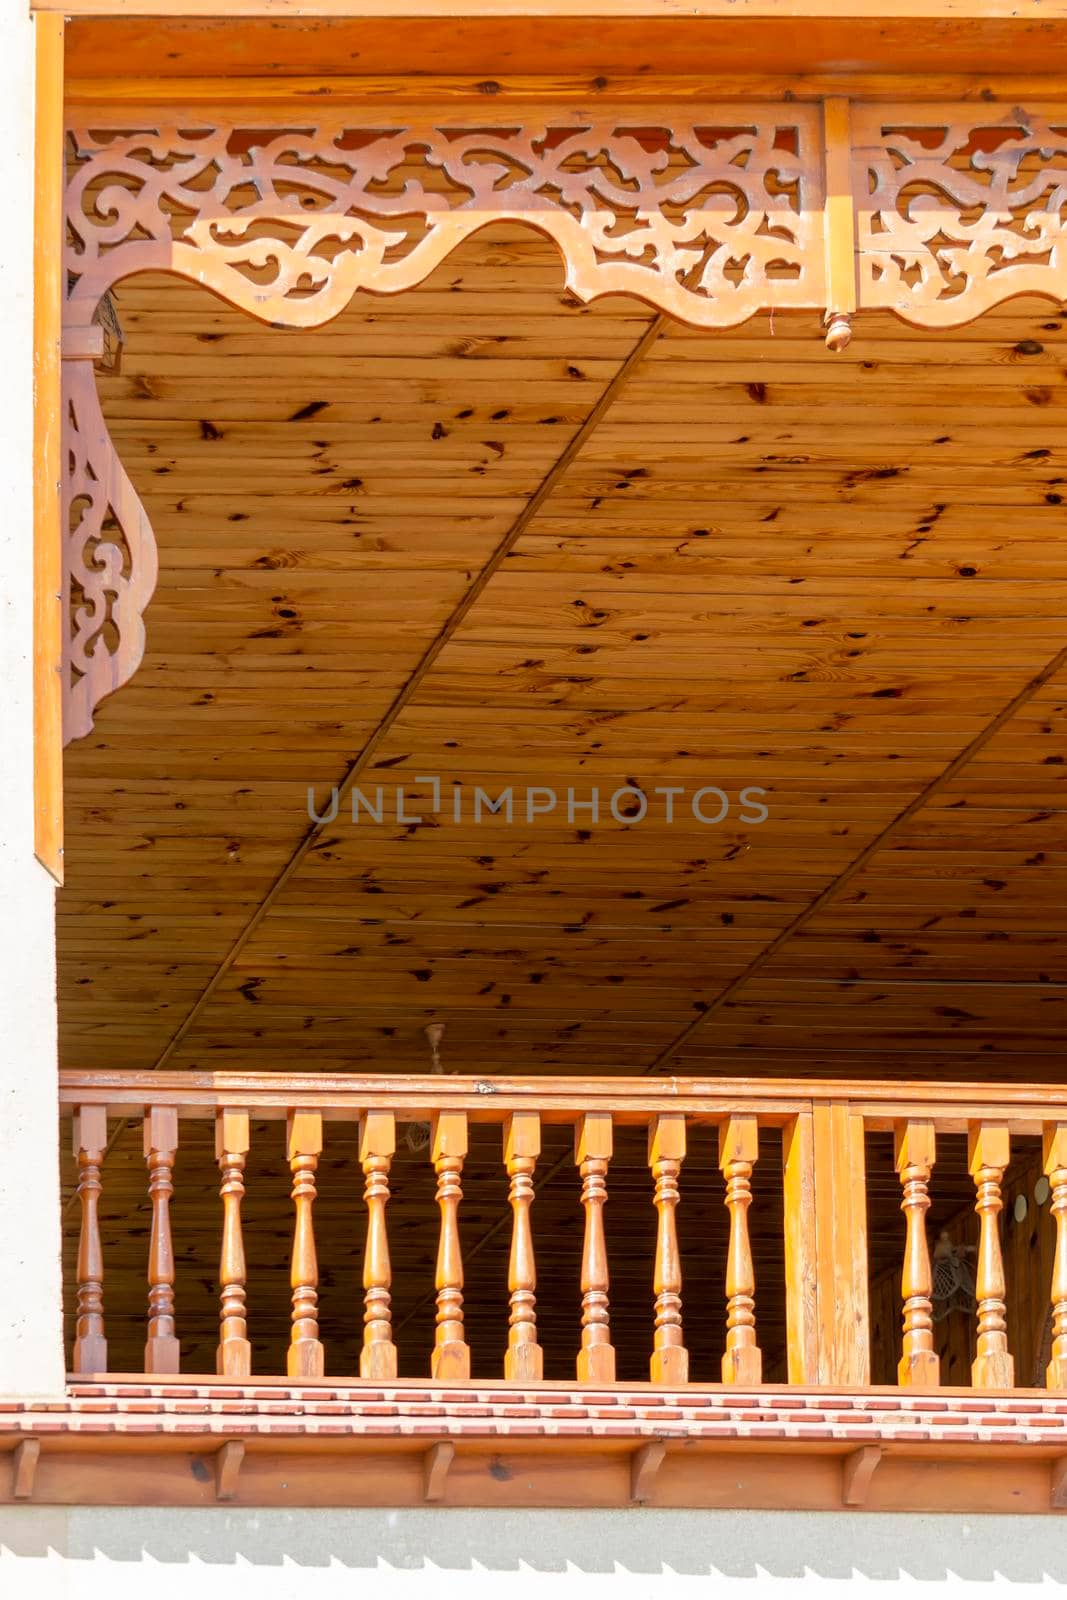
<point x="264" y="95"/>
<point x="48" y="620"/>
<point x="958" y="11"/>
<point x="511" y="1473"/>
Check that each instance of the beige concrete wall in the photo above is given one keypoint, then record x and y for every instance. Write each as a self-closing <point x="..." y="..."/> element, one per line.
<point x="523" y="1555"/>
<point x="31" y="1359"/>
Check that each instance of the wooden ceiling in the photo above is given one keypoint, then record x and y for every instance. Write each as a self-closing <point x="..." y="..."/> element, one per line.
<point x="481" y="533"/>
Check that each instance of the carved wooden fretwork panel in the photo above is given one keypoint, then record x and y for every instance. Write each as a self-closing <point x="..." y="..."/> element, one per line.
<point x="956" y="212"/>
<point x="708" y="221"/>
<point x="110" y="570"/>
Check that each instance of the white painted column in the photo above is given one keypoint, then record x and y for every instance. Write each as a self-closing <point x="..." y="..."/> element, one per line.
<point x="31" y="1346"/>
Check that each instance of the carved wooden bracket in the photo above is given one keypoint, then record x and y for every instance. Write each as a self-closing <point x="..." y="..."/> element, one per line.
<point x="111" y="566"/>
<point x="936" y="213"/>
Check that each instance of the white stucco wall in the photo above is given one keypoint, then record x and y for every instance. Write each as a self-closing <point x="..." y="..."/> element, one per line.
<point x="485" y="1555"/>
<point x="31" y="1357"/>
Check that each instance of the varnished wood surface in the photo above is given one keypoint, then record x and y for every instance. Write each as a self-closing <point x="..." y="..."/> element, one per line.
<point x="829" y="577"/>
<point x="732" y="1295"/>
<point x="47" y="446"/>
<point x="575" y="1475"/>
<point x="329" y="1443"/>
<point x="340" y="1223"/>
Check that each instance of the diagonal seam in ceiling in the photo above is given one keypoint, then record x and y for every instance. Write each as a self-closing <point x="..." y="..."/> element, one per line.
<point x="856" y="865"/>
<point x="652" y="333"/>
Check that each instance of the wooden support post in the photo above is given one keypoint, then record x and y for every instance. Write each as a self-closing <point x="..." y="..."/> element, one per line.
<point x="592" y="1152"/>
<point x="857" y="1470"/>
<point x="742" y="1362"/>
<point x="801" y="1269"/>
<point x="228" y="1464"/>
<point x="435" y="1464"/>
<point x="1058" y="1484"/>
<point x="1055" y="1166"/>
<point x="377" y="1145"/>
<point x="915" y="1150"/>
<point x="839" y="222"/>
<point x="234" y="1354"/>
<point x="307" y="1358"/>
<point x="841" y="1245"/>
<point x="162" y="1351"/>
<point x="666" y="1152"/>
<point x="451" y="1353"/>
<point x="90" y="1143"/>
<point x="26" y="1455"/>
<point x="988" y="1153"/>
<point x="49" y="621"/>
<point x="523" y="1361"/>
<point x="644" y="1469"/>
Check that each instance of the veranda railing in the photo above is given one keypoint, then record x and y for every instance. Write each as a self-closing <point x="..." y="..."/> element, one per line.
<point x="823" y="1185"/>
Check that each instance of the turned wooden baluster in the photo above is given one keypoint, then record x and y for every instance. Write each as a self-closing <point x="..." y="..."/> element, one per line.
<point x="666" y="1151"/>
<point x="234" y="1354"/>
<point x="988" y="1152"/>
<point x="162" y="1352"/>
<point x="742" y="1362"/>
<point x="377" y="1145"/>
<point x="1055" y="1163"/>
<point x="451" y="1355"/>
<point x="90" y="1143"/>
<point x="522" y="1146"/>
<point x="915" y="1150"/>
<point x="307" y="1358"/>
<point x="592" y="1152"/>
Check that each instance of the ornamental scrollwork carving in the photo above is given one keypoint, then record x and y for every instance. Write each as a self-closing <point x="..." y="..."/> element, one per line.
<point x="111" y="564"/>
<point x="956" y="213"/>
<point x="709" y="221"/>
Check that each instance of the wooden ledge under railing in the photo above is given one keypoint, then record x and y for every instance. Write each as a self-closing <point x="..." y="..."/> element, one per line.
<point x="823" y="1194"/>
<point x="137" y="1441"/>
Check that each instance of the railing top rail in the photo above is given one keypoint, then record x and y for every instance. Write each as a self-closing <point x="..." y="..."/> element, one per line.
<point x="341" y="1096"/>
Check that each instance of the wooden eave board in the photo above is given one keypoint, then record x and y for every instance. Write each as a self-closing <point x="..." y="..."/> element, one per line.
<point x="165" y="38"/>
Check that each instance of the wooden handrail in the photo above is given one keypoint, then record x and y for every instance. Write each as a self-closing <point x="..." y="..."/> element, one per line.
<point x="823" y="1186"/>
<point x="1026" y="1109"/>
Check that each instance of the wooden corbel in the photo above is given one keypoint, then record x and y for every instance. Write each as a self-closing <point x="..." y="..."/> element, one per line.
<point x="644" y="1468"/>
<point x="857" y="1470"/>
<point x="25" y="1457"/>
<point x="228" y="1464"/>
<point x="435" y="1465"/>
<point x="110" y="561"/>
